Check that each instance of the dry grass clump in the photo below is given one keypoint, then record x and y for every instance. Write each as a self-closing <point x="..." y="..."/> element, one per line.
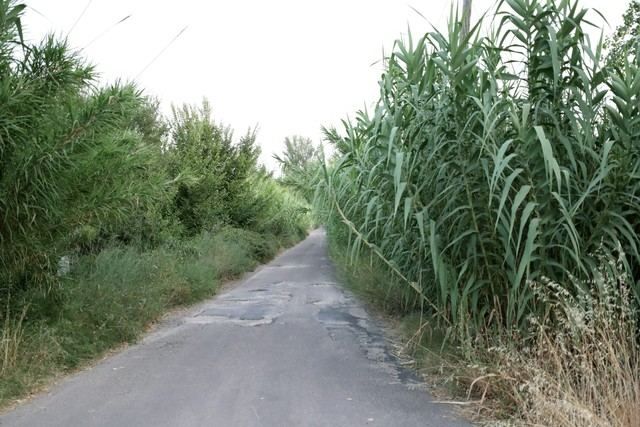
<point x="579" y="368"/>
<point x="10" y="339"/>
<point x="585" y="367"/>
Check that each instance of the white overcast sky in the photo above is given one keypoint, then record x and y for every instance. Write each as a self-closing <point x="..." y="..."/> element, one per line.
<point x="288" y="66"/>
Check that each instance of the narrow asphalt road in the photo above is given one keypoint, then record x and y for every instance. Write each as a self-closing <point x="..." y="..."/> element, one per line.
<point x="286" y="347"/>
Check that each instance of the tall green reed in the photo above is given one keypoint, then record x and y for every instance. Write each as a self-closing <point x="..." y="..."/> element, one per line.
<point x="491" y="161"/>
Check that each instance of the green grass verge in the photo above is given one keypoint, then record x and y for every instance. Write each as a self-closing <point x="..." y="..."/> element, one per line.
<point x="112" y="298"/>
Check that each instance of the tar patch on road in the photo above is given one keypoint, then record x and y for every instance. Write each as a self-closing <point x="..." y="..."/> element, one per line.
<point x="246" y="307"/>
<point x="347" y="321"/>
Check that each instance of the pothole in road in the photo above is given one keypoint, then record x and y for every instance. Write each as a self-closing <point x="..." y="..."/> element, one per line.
<point x="252" y="307"/>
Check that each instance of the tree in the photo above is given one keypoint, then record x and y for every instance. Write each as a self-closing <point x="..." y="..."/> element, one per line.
<point x="299" y="164"/>
<point x="213" y="168"/>
<point x="625" y="41"/>
<point x="299" y="152"/>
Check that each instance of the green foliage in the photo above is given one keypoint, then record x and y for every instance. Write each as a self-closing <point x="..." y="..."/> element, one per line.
<point x="300" y="164"/>
<point x="215" y="169"/>
<point x="221" y="182"/>
<point x="625" y="41"/>
<point x="277" y="210"/>
<point x="298" y="154"/>
<point x="73" y="165"/>
<point x="491" y="162"/>
<point x="371" y="281"/>
<point x="142" y="213"/>
<point x="82" y="166"/>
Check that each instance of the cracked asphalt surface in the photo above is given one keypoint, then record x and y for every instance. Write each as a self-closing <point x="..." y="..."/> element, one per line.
<point x="285" y="347"/>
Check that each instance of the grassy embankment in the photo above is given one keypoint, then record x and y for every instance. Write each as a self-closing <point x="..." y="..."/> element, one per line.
<point x="112" y="298"/>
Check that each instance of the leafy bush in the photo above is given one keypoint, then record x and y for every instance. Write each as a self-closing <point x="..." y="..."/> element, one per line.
<point x="73" y="166"/>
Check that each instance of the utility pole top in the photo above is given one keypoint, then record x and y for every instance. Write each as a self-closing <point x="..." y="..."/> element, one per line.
<point x="466" y="17"/>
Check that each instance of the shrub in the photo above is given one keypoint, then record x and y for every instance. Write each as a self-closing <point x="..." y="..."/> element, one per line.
<point x="74" y="168"/>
